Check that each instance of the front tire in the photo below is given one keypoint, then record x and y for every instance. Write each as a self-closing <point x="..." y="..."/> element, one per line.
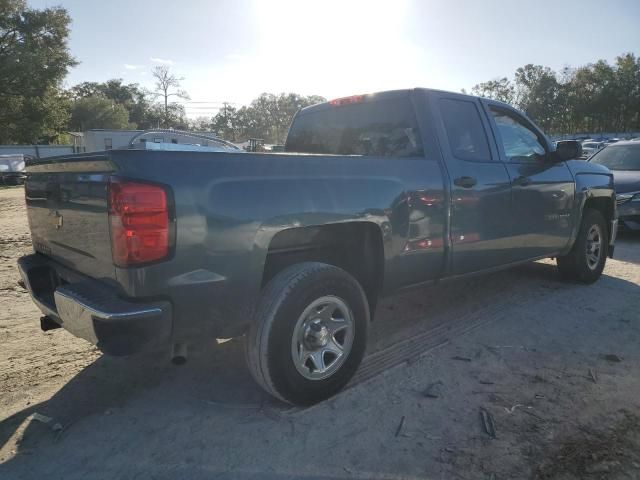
<point x="309" y="333"/>
<point x="586" y="260"/>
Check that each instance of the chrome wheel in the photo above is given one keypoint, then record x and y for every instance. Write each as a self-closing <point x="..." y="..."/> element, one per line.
<point x="594" y="246"/>
<point x="322" y="338"/>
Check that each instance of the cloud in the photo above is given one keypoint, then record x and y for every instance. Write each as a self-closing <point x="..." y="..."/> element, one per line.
<point x="129" y="66"/>
<point x="233" y="56"/>
<point x="162" y="61"/>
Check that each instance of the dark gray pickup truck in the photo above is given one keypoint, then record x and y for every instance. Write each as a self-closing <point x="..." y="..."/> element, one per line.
<point x="137" y="250"/>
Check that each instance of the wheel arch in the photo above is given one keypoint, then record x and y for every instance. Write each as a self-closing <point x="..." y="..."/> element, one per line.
<point x="357" y="247"/>
<point x="594" y="191"/>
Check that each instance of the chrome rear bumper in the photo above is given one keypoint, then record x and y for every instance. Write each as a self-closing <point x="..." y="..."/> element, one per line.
<point x="94" y="311"/>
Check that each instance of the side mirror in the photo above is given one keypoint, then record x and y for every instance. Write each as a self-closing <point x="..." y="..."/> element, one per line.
<point x="567" y="150"/>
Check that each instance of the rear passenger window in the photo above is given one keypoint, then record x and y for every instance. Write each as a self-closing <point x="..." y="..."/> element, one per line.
<point x="385" y="128"/>
<point x="465" y="132"/>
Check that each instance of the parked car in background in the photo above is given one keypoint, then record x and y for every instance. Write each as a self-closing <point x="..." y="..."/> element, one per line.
<point x="589" y="148"/>
<point x="623" y="159"/>
<point x="12" y="169"/>
<point x="138" y="249"/>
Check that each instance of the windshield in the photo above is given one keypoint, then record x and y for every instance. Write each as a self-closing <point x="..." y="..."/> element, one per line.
<point x="622" y="157"/>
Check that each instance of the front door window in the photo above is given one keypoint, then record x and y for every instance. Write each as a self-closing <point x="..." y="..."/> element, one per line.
<point x="520" y="143"/>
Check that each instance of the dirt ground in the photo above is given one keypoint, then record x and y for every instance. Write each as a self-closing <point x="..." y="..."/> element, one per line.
<point x="511" y="375"/>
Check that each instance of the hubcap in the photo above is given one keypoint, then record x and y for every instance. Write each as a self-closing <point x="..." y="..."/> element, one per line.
<point x="322" y="338"/>
<point x="594" y="246"/>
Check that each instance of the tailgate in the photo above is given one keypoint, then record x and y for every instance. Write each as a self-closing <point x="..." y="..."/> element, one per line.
<point x="68" y="214"/>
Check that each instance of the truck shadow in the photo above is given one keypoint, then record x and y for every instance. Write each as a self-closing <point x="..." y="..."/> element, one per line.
<point x="215" y="376"/>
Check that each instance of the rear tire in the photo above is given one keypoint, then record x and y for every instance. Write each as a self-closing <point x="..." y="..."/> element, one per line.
<point x="586" y="260"/>
<point x="309" y="333"/>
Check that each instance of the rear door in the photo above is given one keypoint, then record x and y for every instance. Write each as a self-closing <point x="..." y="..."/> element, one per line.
<point x="542" y="190"/>
<point x="480" y="232"/>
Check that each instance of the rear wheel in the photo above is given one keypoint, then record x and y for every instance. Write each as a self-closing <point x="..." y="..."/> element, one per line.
<point x="586" y="260"/>
<point x="309" y="333"/>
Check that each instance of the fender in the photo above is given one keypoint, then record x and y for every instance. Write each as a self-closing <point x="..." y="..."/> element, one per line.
<point x="592" y="182"/>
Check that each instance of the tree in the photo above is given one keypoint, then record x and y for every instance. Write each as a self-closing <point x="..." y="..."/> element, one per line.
<point x="592" y="97"/>
<point x="112" y="89"/>
<point x="226" y="123"/>
<point x="135" y="99"/>
<point x="267" y="117"/>
<point x="167" y="85"/>
<point x="200" y="124"/>
<point x="499" y="89"/>
<point x="32" y="120"/>
<point x="34" y="58"/>
<point x="98" y="112"/>
<point x="598" y="97"/>
<point x="537" y="92"/>
<point x="174" y="116"/>
<point x="627" y="91"/>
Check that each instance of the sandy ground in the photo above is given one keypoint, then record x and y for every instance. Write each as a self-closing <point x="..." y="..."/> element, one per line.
<point x="553" y="367"/>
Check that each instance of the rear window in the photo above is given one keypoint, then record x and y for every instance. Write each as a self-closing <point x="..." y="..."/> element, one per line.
<point x="386" y="128"/>
<point x="466" y="135"/>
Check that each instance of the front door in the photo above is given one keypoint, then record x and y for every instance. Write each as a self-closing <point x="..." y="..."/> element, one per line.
<point x="542" y="190"/>
<point x="480" y="232"/>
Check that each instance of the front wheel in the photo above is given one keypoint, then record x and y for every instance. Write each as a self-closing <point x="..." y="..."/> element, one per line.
<point x="585" y="262"/>
<point x="309" y="333"/>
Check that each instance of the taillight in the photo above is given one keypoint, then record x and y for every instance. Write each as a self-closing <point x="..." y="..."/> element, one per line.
<point x="139" y="221"/>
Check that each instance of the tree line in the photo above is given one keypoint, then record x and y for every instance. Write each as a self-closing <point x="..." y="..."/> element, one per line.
<point x="35" y="108"/>
<point x="598" y="97"/>
<point x="116" y="105"/>
<point x="35" y="59"/>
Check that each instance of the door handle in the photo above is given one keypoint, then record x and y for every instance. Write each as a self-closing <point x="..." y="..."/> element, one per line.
<point x="522" y="181"/>
<point x="465" y="182"/>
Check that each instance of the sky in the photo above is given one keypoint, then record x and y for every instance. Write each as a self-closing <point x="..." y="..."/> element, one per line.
<point x="233" y="50"/>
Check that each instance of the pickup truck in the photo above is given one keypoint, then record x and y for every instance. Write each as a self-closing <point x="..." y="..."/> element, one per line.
<point x="137" y="250"/>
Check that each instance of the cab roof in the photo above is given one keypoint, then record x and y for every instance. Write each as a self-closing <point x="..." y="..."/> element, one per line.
<point x="384" y="95"/>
